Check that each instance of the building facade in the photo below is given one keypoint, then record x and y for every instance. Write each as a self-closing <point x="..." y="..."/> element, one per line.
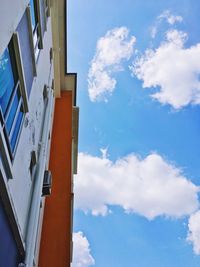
<point x="38" y="135"/>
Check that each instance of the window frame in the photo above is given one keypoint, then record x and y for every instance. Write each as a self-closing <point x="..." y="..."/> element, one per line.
<point x="30" y="30"/>
<point x="19" y="92"/>
<point x="35" y="33"/>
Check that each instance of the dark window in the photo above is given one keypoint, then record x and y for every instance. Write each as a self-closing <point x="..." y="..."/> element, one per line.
<point x="11" y="101"/>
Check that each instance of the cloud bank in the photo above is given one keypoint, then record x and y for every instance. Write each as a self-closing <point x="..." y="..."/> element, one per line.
<point x="172" y="69"/>
<point x="81" y="251"/>
<point x="194" y="232"/>
<point x="112" y="49"/>
<point x="150" y="187"/>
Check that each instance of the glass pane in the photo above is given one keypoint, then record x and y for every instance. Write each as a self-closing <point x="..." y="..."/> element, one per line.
<point x="16" y="131"/>
<point x="33" y="20"/>
<point x="12" y="113"/>
<point x="6" y="80"/>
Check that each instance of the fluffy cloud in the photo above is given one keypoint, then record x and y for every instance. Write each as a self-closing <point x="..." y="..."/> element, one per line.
<point x="194" y="232"/>
<point x="170" y="18"/>
<point x="81" y="251"/>
<point x="111" y="50"/>
<point x="150" y="187"/>
<point x="172" y="69"/>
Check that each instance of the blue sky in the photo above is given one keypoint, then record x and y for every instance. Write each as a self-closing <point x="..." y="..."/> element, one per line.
<point x="137" y="188"/>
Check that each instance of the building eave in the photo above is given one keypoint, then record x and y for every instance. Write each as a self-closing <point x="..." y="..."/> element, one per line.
<point x="63" y="81"/>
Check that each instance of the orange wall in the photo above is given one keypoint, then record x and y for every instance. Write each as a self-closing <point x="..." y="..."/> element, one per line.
<point x="56" y="230"/>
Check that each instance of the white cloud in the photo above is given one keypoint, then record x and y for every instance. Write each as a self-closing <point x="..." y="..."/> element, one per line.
<point x="81" y="251"/>
<point x="170" y="18"/>
<point x="194" y="232"/>
<point x="104" y="152"/>
<point x="172" y="68"/>
<point x="165" y="16"/>
<point x="111" y="50"/>
<point x="154" y="30"/>
<point x="150" y="187"/>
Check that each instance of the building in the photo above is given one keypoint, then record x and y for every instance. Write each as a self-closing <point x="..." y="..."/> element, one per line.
<point x="38" y="135"/>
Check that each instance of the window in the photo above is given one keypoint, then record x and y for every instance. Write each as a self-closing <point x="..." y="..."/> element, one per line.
<point x="33" y="14"/>
<point x="36" y="26"/>
<point x="11" y="100"/>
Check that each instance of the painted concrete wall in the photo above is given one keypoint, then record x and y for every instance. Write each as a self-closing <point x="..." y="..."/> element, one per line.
<point x="11" y="12"/>
<point x="56" y="231"/>
<point x="57" y="227"/>
<point x="20" y="187"/>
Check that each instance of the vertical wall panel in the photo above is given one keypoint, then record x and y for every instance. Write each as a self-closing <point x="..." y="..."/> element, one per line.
<point x="56" y="230"/>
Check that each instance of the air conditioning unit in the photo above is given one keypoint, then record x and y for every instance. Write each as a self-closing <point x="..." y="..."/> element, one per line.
<point x="47" y="182"/>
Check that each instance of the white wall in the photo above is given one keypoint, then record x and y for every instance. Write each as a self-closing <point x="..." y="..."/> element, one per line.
<point x="21" y="184"/>
<point x="11" y="12"/>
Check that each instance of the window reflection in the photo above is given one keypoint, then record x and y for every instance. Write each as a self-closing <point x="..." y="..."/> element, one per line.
<point x="6" y="80"/>
<point x="11" y="101"/>
<point x="33" y="19"/>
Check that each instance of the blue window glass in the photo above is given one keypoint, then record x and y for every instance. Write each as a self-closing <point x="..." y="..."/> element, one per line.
<point x="33" y="19"/>
<point x="6" y="80"/>
<point x="11" y="100"/>
<point x="16" y="130"/>
<point x="12" y="113"/>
